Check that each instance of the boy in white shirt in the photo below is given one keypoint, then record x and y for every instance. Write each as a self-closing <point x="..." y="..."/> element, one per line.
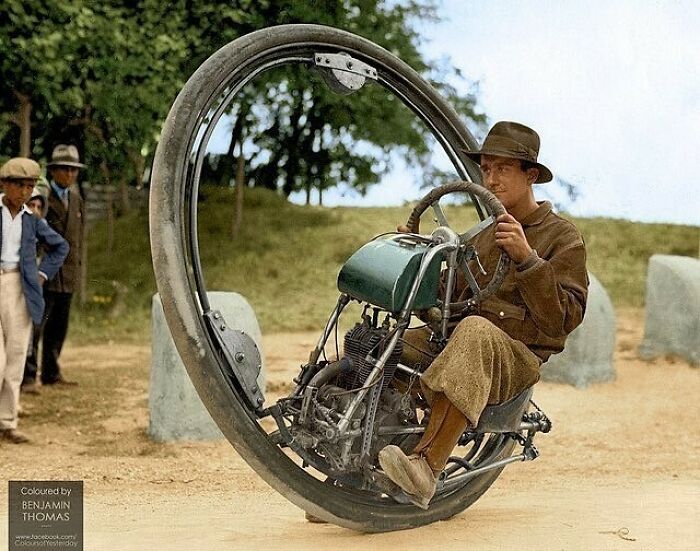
<point x="21" y="281"/>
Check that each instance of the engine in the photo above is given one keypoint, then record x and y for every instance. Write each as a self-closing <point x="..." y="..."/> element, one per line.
<point x="329" y="395"/>
<point x="362" y="340"/>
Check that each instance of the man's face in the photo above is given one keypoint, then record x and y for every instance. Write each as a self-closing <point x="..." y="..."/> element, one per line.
<point x="64" y="176"/>
<point x="36" y="206"/>
<point x="505" y="178"/>
<point x="18" y="192"/>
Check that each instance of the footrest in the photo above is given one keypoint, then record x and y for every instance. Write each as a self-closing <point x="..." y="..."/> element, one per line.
<point x="505" y="417"/>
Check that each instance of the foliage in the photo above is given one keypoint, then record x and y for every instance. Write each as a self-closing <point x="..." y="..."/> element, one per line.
<point x="104" y="74"/>
<point x="303" y="136"/>
<point x="327" y="139"/>
<point x="99" y="74"/>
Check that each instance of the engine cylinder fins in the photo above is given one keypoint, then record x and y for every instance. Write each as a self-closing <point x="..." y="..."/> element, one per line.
<point x="360" y="341"/>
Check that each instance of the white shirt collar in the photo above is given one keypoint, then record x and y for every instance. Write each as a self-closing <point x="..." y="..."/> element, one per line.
<point x="24" y="209"/>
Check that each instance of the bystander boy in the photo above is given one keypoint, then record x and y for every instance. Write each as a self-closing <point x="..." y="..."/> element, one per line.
<point x="21" y="282"/>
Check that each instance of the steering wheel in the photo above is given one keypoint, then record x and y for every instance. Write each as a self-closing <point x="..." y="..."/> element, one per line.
<point x="495" y="209"/>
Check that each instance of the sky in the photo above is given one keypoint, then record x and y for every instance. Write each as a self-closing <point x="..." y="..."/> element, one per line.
<point x="612" y="88"/>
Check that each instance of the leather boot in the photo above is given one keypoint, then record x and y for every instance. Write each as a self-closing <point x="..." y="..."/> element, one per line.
<point x="411" y="473"/>
<point x="14" y="436"/>
<point x="29" y="388"/>
<point x="417" y="473"/>
<point x="442" y="433"/>
<point x="438" y="411"/>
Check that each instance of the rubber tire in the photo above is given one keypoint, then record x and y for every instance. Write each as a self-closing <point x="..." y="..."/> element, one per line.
<point x="174" y="278"/>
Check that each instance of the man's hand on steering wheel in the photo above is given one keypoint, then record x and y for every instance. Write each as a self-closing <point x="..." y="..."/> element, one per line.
<point x="510" y="237"/>
<point x="495" y="208"/>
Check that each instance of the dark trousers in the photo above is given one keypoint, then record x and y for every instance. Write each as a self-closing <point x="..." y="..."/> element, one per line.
<point x="52" y="332"/>
<point x="31" y="364"/>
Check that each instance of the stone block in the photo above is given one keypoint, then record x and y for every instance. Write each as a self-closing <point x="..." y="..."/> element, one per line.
<point x="176" y="411"/>
<point x="588" y="355"/>
<point x="672" y="308"/>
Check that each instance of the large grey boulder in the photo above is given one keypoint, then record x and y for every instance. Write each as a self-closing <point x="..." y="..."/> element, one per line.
<point x="176" y="411"/>
<point x="588" y="355"/>
<point x="672" y="308"/>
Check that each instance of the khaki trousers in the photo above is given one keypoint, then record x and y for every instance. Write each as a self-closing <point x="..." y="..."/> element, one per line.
<point x="480" y="365"/>
<point x="15" y="332"/>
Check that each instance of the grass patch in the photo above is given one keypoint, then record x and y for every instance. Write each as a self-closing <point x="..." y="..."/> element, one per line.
<point x="287" y="257"/>
<point x="619" y="250"/>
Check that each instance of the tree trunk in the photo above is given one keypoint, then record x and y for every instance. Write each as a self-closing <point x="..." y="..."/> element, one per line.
<point x="139" y="165"/>
<point x="267" y="175"/>
<point x="110" y="226"/>
<point x="231" y="159"/>
<point x="293" y="147"/>
<point x="110" y="208"/>
<point x="240" y="185"/>
<point x="320" y="196"/>
<point x="124" y="204"/>
<point x="23" y="119"/>
<point x="82" y="295"/>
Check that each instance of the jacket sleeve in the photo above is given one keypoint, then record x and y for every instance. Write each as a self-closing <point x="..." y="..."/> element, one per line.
<point x="555" y="289"/>
<point x="55" y="246"/>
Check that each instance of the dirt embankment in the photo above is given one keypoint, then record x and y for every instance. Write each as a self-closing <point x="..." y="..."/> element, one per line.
<point x="619" y="470"/>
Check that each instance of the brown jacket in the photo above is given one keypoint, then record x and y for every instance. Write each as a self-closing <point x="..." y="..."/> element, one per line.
<point x="69" y="223"/>
<point x="542" y="300"/>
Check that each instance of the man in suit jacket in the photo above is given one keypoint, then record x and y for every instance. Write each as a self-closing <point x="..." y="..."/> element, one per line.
<point x="66" y="216"/>
<point x="21" y="281"/>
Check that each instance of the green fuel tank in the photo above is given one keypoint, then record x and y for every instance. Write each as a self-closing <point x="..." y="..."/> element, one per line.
<point x="382" y="273"/>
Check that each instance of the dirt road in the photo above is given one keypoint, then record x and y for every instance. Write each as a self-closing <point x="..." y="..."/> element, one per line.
<point x="619" y="471"/>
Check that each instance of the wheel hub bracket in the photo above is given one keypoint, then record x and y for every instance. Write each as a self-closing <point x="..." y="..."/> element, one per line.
<point x="343" y="73"/>
<point x="242" y="357"/>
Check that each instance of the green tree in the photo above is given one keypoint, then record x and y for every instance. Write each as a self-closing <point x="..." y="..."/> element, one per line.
<point x="99" y="74"/>
<point x="103" y="74"/>
<point x="32" y="66"/>
<point x="307" y="137"/>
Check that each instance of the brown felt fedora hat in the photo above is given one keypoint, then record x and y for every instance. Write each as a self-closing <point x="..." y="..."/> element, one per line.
<point x="65" y="155"/>
<point x="515" y="141"/>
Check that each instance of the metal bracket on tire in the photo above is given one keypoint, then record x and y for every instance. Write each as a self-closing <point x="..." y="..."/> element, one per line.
<point x="242" y="357"/>
<point x="343" y="73"/>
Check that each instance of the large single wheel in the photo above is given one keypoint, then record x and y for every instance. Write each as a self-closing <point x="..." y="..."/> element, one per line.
<point x="174" y="245"/>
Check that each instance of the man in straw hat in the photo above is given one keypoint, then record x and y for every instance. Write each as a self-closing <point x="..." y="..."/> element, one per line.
<point x="21" y="281"/>
<point x="495" y="355"/>
<point x="65" y="215"/>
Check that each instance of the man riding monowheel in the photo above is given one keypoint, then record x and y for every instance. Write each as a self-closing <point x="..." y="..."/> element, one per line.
<point x="497" y="353"/>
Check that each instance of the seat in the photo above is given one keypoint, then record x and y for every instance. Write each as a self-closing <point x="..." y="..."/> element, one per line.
<point x="505" y="417"/>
